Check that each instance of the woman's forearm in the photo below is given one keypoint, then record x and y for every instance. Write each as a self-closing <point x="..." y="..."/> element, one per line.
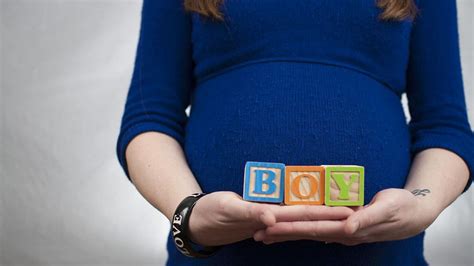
<point x="158" y="168"/>
<point x="437" y="177"/>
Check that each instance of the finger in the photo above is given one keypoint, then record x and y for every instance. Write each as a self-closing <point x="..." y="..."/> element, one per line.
<point x="268" y="218"/>
<point x="261" y="236"/>
<point x="295" y="238"/>
<point x="272" y="240"/>
<point x="375" y="213"/>
<point x="260" y="213"/>
<point x="310" y="213"/>
<point x="315" y="230"/>
<point x="385" y="232"/>
<point x="375" y="233"/>
<point x="252" y="212"/>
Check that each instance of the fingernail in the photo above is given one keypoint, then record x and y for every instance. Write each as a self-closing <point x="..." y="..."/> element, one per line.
<point x="268" y="242"/>
<point x="267" y="218"/>
<point x="259" y="235"/>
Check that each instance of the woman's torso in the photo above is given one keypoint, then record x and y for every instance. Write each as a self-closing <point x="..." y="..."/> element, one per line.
<point x="301" y="83"/>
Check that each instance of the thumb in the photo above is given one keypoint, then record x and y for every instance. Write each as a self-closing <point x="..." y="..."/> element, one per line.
<point x="372" y="214"/>
<point x="257" y="212"/>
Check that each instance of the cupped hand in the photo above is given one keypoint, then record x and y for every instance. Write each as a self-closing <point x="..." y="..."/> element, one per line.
<point x="393" y="214"/>
<point x="221" y="218"/>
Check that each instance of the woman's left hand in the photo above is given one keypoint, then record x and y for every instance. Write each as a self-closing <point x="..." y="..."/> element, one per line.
<point x="393" y="214"/>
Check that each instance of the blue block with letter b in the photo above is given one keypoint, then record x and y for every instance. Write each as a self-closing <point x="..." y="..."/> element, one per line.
<point x="263" y="182"/>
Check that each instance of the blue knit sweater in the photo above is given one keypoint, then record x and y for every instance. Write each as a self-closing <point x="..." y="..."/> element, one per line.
<point x="304" y="82"/>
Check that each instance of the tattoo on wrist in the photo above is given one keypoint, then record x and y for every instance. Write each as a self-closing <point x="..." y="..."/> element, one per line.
<point x="421" y="192"/>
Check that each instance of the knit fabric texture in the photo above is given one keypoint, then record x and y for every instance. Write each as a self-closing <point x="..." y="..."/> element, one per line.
<point x="306" y="82"/>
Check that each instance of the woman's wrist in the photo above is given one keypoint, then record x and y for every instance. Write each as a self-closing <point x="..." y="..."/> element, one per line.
<point x="428" y="208"/>
<point x="436" y="178"/>
<point x="181" y="233"/>
<point x="195" y="223"/>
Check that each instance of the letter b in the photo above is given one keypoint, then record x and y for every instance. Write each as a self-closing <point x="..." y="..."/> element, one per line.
<point x="263" y="182"/>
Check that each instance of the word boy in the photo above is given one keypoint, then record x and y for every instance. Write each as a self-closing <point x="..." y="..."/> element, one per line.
<point x="332" y="185"/>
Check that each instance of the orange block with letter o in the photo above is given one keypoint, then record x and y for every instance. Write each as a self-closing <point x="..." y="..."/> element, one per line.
<point x="304" y="185"/>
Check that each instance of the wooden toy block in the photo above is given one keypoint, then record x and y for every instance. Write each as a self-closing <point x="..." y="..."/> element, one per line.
<point x="263" y="182"/>
<point x="344" y="185"/>
<point x="304" y="185"/>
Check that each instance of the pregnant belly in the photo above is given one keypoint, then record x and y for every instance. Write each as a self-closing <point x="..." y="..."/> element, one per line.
<point x="297" y="114"/>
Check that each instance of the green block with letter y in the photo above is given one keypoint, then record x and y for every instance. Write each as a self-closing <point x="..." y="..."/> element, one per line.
<point x="344" y="185"/>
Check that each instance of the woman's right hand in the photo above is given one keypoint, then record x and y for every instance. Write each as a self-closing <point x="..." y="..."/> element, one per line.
<point x="221" y="218"/>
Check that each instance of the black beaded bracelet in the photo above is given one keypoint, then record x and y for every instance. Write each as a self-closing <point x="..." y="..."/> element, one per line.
<point x="180" y="229"/>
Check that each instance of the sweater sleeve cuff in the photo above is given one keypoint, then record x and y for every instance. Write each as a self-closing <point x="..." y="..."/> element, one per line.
<point x="462" y="146"/>
<point x="127" y="136"/>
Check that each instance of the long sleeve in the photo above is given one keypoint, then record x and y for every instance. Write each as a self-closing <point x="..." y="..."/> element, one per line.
<point x="162" y="77"/>
<point x="435" y="85"/>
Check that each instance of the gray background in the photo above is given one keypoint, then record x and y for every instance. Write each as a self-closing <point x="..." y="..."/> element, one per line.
<point x="65" y="71"/>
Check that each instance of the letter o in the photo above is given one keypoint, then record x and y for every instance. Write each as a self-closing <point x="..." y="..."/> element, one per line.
<point x="295" y="186"/>
<point x="178" y="242"/>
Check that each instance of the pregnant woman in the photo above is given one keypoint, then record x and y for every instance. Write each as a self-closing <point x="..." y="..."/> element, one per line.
<point x="306" y="82"/>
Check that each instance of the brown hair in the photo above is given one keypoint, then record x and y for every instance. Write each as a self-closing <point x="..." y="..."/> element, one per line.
<point x="392" y="9"/>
